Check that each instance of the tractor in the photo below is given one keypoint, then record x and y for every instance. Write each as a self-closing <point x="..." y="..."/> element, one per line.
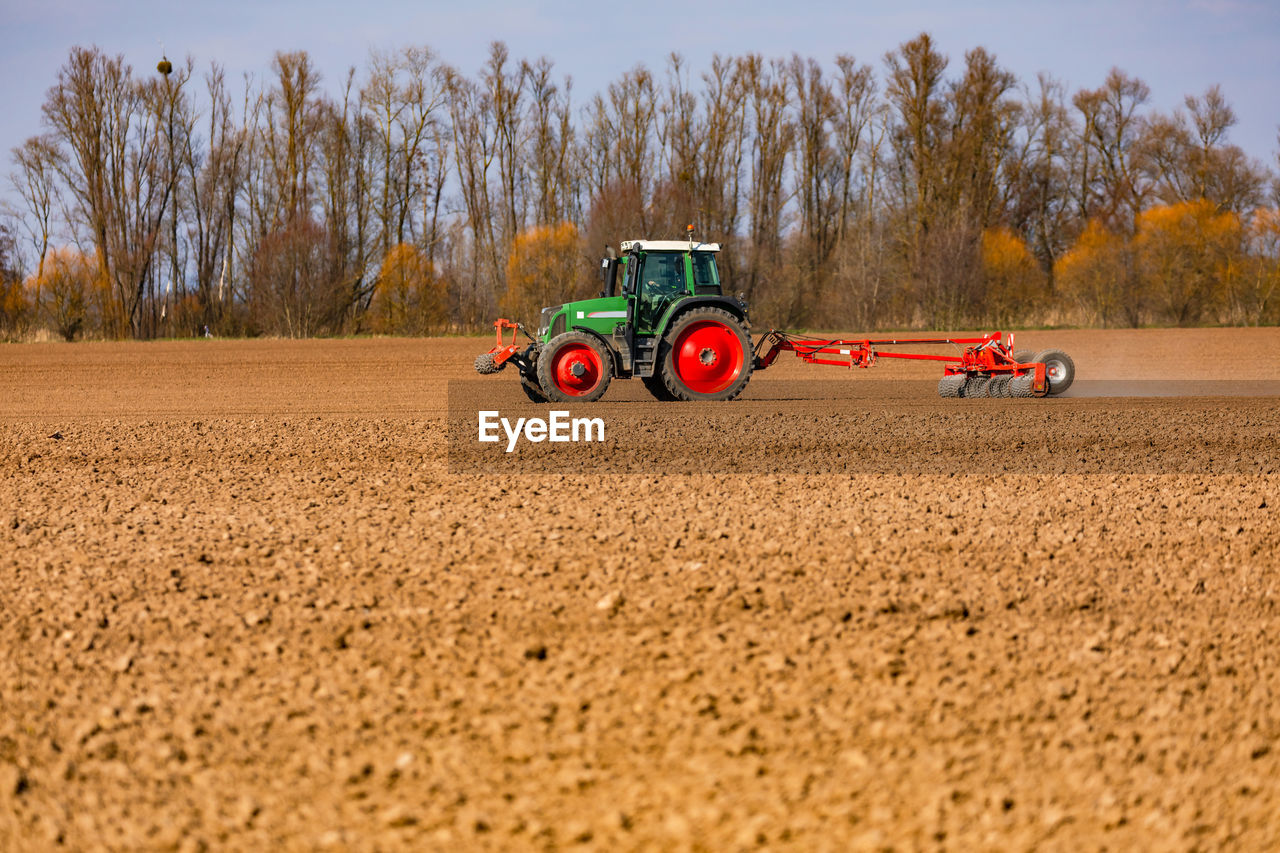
<point x="662" y="317"/>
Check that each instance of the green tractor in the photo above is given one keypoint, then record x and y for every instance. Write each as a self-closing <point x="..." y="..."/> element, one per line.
<point x="660" y="317"/>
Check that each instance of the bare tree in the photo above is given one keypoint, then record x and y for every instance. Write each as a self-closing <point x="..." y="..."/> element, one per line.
<point x="1037" y="179"/>
<point x="36" y="184"/>
<point x="1187" y="156"/>
<point x="979" y="137"/>
<point x="772" y="135"/>
<point x="551" y="145"/>
<point x="114" y="129"/>
<point x="215" y="176"/>
<point x="474" y="150"/>
<point x="1108" y="180"/>
<point x="915" y="98"/>
<point x="855" y="109"/>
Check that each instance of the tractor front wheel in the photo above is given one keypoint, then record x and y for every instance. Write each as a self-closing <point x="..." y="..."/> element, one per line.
<point x="529" y="379"/>
<point x="705" y="355"/>
<point x="574" y="367"/>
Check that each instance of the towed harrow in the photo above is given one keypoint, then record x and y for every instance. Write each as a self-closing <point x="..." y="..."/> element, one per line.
<point x="986" y="366"/>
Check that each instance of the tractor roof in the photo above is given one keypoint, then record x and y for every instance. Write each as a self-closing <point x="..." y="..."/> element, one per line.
<point x="667" y="246"/>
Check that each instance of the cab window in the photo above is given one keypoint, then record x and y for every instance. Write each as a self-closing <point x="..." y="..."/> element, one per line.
<point x="705" y="279"/>
<point x="663" y="274"/>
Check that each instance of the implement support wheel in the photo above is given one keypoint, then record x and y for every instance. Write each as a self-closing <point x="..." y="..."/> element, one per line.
<point x="1059" y="369"/>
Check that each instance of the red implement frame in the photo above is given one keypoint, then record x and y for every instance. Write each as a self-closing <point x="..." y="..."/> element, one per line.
<point x="503" y="350"/>
<point x="989" y="355"/>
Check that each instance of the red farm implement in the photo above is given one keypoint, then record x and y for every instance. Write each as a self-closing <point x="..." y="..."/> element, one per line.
<point x="986" y="366"/>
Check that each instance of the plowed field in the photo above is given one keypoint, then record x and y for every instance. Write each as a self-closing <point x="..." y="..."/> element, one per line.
<point x="270" y="595"/>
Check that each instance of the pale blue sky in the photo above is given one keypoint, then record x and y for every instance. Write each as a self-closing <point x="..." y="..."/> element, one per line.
<point x="1177" y="46"/>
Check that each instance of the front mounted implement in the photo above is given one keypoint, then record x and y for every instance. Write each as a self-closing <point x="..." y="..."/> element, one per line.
<point x="495" y="359"/>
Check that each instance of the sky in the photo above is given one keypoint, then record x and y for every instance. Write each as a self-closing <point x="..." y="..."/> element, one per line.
<point x="1178" y="47"/>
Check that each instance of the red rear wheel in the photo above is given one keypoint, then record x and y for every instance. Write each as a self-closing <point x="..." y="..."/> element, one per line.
<point x="706" y="356"/>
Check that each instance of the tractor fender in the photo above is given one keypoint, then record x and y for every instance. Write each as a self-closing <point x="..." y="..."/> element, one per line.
<point x="724" y="303"/>
<point x="604" y="342"/>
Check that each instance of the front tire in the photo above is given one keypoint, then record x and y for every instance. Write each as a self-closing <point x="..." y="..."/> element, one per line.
<point x="529" y="379"/>
<point x="705" y="355"/>
<point x="574" y="368"/>
<point x="529" y="385"/>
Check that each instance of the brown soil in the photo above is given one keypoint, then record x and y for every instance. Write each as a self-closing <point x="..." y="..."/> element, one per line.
<point x="247" y="602"/>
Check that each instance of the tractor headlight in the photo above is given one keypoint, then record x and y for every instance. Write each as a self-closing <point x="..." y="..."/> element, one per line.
<point x="545" y="324"/>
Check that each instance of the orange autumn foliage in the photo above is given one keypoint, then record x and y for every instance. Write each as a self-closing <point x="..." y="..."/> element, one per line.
<point x="1188" y="256"/>
<point x="410" y="297"/>
<point x="543" y="268"/>
<point x="1011" y="275"/>
<point x="1097" y="274"/>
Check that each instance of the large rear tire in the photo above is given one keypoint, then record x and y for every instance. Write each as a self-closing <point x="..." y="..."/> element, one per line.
<point x="658" y="388"/>
<point x="1059" y="369"/>
<point x="705" y="355"/>
<point x="574" y="368"/>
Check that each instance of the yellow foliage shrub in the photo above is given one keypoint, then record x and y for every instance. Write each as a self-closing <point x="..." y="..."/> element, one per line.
<point x="543" y="269"/>
<point x="410" y="297"/>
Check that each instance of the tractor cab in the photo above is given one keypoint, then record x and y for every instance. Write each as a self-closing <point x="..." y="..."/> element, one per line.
<point x="658" y="273"/>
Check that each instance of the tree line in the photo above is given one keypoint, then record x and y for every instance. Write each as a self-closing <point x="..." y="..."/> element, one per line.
<point x="418" y="199"/>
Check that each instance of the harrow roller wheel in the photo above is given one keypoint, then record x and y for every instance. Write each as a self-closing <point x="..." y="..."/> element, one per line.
<point x="999" y="386"/>
<point x="705" y="355"/>
<point x="1020" y="386"/>
<point x="1059" y="369"/>
<point x="485" y="364"/>
<point x="1023" y="356"/>
<point x="976" y="386"/>
<point x="574" y="367"/>
<point x="951" y="386"/>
